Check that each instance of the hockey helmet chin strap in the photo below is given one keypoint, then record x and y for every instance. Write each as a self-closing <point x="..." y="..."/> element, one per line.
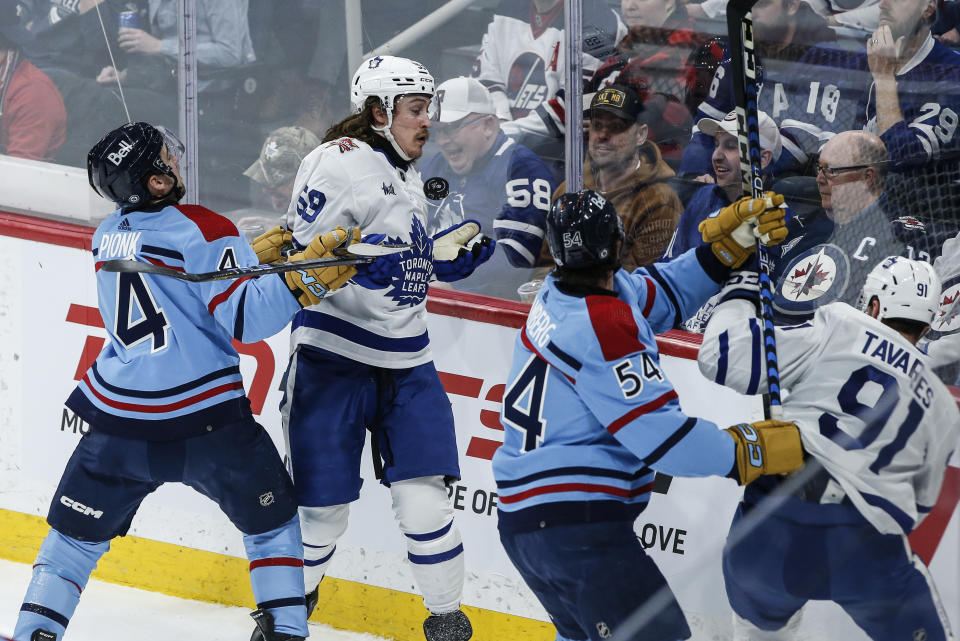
<point x="385" y="130"/>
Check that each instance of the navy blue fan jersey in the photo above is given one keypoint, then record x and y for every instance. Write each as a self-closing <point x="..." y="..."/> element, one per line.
<point x="169" y="370"/>
<point x="588" y="411"/>
<point x="507" y="191"/>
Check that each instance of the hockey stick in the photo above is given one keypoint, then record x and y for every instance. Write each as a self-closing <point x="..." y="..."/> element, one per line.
<point x="356" y="254"/>
<point x="745" y="92"/>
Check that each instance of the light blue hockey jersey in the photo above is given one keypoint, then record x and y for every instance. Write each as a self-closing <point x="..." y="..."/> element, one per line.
<point x="588" y="411"/>
<point x="169" y="370"/>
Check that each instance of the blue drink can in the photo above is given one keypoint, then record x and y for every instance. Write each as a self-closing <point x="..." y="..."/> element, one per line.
<point x="129" y="20"/>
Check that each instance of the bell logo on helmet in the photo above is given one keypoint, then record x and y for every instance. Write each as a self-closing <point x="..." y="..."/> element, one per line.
<point x="117" y="156"/>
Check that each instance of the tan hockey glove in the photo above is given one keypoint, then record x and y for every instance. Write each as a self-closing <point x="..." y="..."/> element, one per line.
<point x="270" y="245"/>
<point x="766" y="447"/>
<point x="311" y="285"/>
<point x="733" y="232"/>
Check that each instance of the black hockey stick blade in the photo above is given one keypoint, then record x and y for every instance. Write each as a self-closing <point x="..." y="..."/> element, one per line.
<point x="233" y="273"/>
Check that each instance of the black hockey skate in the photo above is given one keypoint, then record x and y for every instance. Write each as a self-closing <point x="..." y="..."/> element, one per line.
<point x="451" y="626"/>
<point x="258" y="634"/>
<point x="264" y="631"/>
<point x="43" y="635"/>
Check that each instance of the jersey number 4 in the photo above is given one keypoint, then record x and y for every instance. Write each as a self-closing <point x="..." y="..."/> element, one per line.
<point x="138" y="316"/>
<point x="523" y="403"/>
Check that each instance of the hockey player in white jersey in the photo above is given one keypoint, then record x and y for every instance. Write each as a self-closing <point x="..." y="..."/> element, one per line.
<point x="364" y="363"/>
<point x="879" y="428"/>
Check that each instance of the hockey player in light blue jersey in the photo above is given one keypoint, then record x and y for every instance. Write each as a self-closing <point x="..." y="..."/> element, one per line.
<point x="164" y="399"/>
<point x="879" y="428"/>
<point x="590" y="415"/>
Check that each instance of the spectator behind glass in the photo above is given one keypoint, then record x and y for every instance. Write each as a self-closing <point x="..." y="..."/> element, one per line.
<point x="33" y="120"/>
<point x="494" y="180"/>
<point x="853" y="14"/>
<point x="829" y="252"/>
<point x="652" y="59"/>
<point x="626" y="168"/>
<point x="522" y="63"/>
<point x="223" y="40"/>
<point x="945" y="29"/>
<point x="274" y="172"/>
<point x="786" y="30"/>
<point x="279" y="160"/>
<point x="725" y="160"/>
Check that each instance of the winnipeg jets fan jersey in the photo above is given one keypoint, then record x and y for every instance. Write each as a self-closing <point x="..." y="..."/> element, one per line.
<point x="588" y="411"/>
<point x="522" y="60"/>
<point x="347" y="182"/>
<point x="867" y="405"/>
<point x="169" y="370"/>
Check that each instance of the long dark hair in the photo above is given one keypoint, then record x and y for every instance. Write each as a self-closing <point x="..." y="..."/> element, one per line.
<point x="359" y="125"/>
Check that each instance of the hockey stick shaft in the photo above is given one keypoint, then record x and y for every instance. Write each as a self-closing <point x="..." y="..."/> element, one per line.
<point x="745" y="91"/>
<point x="233" y="273"/>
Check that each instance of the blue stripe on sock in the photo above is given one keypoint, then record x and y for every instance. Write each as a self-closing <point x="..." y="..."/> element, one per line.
<point x="429" y="559"/>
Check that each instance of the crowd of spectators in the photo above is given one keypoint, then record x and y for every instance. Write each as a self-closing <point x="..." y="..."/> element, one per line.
<point x="860" y="111"/>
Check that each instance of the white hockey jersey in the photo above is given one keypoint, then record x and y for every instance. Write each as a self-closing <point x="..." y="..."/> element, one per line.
<point x="868" y="406"/>
<point x="522" y="61"/>
<point x="347" y="182"/>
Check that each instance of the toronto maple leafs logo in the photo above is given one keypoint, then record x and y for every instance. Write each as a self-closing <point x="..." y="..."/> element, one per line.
<point x="374" y="62"/>
<point x="817" y="277"/>
<point x="408" y="288"/>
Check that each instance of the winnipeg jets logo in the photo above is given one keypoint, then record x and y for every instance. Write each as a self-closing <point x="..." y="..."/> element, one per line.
<point x="526" y="84"/>
<point x="947" y="318"/>
<point x="811" y="280"/>
<point x="819" y="276"/>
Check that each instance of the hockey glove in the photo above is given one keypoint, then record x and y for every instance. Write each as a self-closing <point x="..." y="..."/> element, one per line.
<point x="459" y="250"/>
<point x="270" y="245"/>
<point x="311" y="285"/>
<point x="732" y="233"/>
<point x="380" y="272"/>
<point x="765" y="447"/>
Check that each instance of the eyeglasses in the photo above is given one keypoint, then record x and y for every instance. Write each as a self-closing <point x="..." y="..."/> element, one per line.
<point x="834" y="172"/>
<point x="449" y="130"/>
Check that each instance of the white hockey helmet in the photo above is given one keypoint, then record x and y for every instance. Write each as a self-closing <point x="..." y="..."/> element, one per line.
<point x="905" y="288"/>
<point x="388" y="78"/>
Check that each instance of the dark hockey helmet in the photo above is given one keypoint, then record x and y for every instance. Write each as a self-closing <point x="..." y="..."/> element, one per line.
<point x="118" y="163"/>
<point x="582" y="231"/>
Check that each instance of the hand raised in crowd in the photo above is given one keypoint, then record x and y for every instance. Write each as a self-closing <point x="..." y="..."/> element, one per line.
<point x="138" y="41"/>
<point x="883" y="52"/>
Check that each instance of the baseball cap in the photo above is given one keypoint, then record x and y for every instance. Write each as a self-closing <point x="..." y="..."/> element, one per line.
<point x="462" y="96"/>
<point x="11" y="28"/>
<point x="280" y="157"/>
<point x="769" y="132"/>
<point x="620" y="100"/>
